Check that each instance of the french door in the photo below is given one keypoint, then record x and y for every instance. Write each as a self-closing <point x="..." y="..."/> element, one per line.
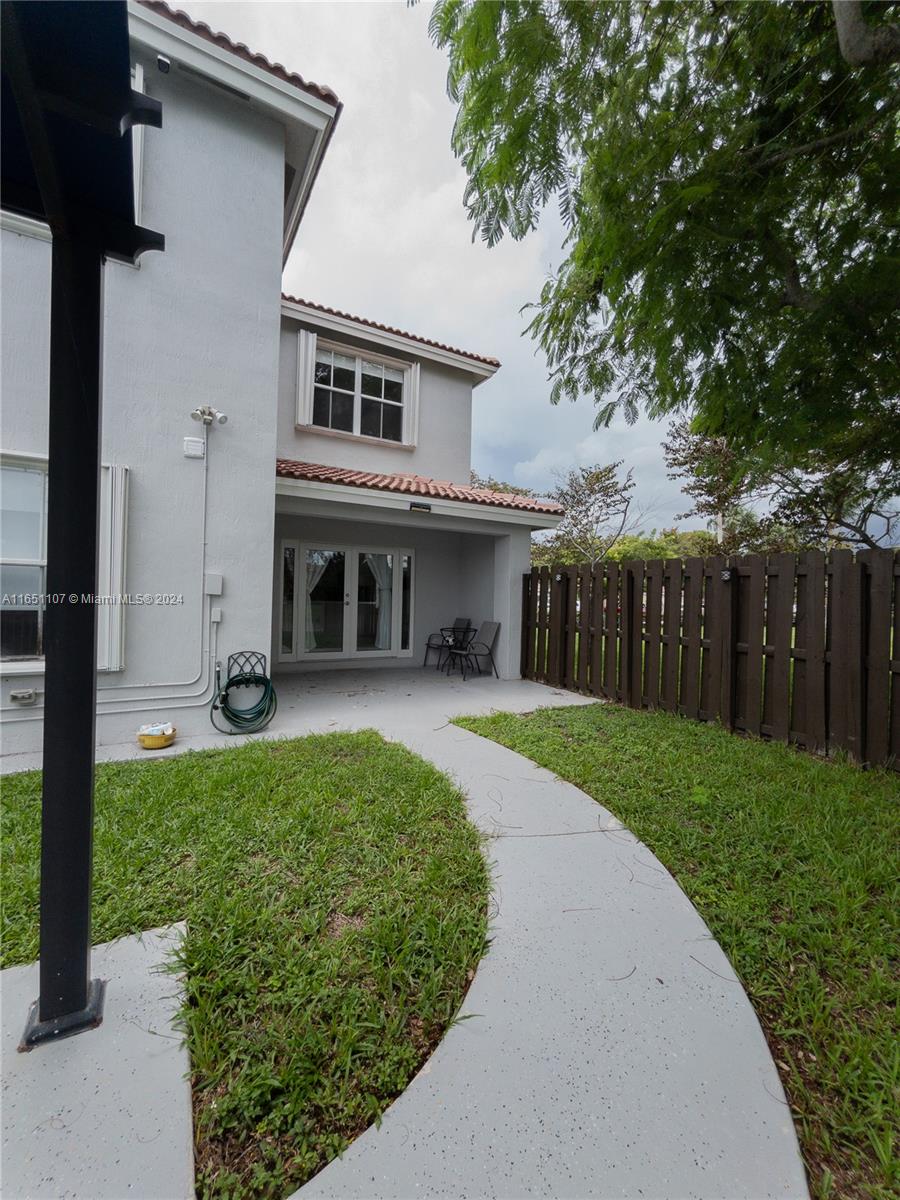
<point x="344" y="601"/>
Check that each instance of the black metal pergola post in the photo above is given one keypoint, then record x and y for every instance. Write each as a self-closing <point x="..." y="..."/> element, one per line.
<point x="67" y="113"/>
<point x="68" y="998"/>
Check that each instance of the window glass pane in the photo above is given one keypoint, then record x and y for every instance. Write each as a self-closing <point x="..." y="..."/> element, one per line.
<point x="287" y="601"/>
<point x="371" y="379"/>
<point x="321" y="402"/>
<point x="394" y="373"/>
<point x="393" y="390"/>
<point x="374" y="602"/>
<point x="406" y="598"/>
<point x="344" y="378"/>
<point x="370" y="418"/>
<point x="20" y="624"/>
<point x="22" y="521"/>
<point x="323" y="367"/>
<point x="344" y="372"/>
<point x="341" y="412"/>
<point x="392" y="422"/>
<point x="325" y="599"/>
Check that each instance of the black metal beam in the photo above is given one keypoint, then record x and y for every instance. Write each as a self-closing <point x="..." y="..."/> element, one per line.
<point x="68" y="1000"/>
<point x="67" y="112"/>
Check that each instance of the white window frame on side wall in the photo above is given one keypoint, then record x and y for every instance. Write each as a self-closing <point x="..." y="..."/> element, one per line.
<point x="308" y="344"/>
<point x="111" y="571"/>
<point x="298" y="653"/>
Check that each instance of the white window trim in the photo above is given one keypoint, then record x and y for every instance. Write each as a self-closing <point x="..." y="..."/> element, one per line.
<point x="137" y="147"/>
<point x="111" y="571"/>
<point x="307" y="345"/>
<point x="299" y="653"/>
<point x="287" y="655"/>
<point x="111" y="580"/>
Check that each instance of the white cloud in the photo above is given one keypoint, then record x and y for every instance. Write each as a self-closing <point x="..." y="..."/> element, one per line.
<point x="385" y="234"/>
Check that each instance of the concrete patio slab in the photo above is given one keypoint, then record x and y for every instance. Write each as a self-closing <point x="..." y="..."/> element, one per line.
<point x="319" y="701"/>
<point x="104" y="1115"/>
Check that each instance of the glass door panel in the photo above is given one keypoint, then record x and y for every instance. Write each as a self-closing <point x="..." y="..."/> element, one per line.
<point x="288" y="563"/>
<point x="326" y="601"/>
<point x="374" y="601"/>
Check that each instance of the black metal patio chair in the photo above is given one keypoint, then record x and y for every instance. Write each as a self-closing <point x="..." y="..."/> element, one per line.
<point x="480" y="647"/>
<point x="448" y="636"/>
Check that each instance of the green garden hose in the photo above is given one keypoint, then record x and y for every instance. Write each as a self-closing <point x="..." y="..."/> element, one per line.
<point x="243" y="720"/>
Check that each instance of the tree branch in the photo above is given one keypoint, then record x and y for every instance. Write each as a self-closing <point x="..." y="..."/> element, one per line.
<point x="861" y="44"/>
<point x="795" y="294"/>
<point x="822" y="143"/>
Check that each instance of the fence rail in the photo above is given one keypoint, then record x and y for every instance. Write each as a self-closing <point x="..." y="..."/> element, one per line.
<point x="803" y="648"/>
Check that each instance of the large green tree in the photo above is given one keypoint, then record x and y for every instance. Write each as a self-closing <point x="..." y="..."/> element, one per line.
<point x="729" y="178"/>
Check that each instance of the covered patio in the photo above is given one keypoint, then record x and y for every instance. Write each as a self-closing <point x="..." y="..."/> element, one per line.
<point x="368" y="565"/>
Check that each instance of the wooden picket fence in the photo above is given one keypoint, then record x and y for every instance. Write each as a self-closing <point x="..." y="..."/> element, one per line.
<point x="802" y="648"/>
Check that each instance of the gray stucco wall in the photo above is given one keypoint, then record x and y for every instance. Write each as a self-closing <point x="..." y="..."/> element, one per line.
<point x="444" y="446"/>
<point x="196" y="325"/>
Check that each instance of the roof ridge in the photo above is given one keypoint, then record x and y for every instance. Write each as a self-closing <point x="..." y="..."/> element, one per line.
<point x="370" y="324"/>
<point x="222" y="40"/>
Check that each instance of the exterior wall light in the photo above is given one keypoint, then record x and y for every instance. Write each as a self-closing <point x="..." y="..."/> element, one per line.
<point x="207" y="415"/>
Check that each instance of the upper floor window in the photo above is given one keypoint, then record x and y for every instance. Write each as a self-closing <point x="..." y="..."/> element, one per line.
<point x="356" y="394"/>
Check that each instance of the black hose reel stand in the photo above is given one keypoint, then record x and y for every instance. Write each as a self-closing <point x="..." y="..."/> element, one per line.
<point x="246" y="669"/>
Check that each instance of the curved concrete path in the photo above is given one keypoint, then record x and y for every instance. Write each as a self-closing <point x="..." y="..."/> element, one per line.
<point x="610" y="1052"/>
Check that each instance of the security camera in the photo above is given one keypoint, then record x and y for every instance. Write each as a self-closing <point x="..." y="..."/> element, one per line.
<point x="164" y="64"/>
<point x="221" y="418"/>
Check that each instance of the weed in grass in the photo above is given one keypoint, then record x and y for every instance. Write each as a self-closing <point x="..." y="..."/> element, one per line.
<point x="335" y="898"/>
<point x="792" y="862"/>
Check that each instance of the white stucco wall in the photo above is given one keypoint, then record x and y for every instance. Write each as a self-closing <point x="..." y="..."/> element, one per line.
<point x="444" y="445"/>
<point x="198" y="324"/>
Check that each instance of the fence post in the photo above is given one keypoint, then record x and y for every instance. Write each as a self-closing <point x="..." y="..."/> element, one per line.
<point x="527" y="638"/>
<point x="556" y="632"/>
<point x="846" y="648"/>
<point x="730" y="594"/>
<point x="635" y="640"/>
<point x="878" y="568"/>
<point x="569" y="672"/>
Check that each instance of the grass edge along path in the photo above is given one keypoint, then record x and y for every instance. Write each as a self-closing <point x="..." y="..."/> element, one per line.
<point x="335" y="896"/>
<point x="792" y="863"/>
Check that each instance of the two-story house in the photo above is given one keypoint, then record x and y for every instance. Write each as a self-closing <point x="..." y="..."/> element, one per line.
<point x="330" y="519"/>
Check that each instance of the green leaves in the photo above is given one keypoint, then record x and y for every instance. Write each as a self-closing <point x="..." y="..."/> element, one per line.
<point x="730" y="185"/>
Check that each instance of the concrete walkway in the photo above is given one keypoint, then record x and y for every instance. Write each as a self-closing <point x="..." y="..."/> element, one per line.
<point x="610" y="1052"/>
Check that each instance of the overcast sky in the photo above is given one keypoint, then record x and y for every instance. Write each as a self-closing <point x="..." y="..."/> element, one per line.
<point x="386" y="236"/>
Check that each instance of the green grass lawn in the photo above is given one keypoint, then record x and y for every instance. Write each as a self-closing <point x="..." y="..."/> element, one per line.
<point x="793" y="864"/>
<point x="335" y="896"/>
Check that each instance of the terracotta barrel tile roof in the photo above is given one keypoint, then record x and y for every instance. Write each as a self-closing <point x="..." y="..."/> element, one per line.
<point x="412" y="485"/>
<point x="413" y="337"/>
<point x="222" y="40"/>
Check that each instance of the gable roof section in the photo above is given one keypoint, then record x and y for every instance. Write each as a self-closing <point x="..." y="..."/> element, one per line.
<point x="366" y="323"/>
<point x="224" y="42"/>
<point x="413" y="485"/>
